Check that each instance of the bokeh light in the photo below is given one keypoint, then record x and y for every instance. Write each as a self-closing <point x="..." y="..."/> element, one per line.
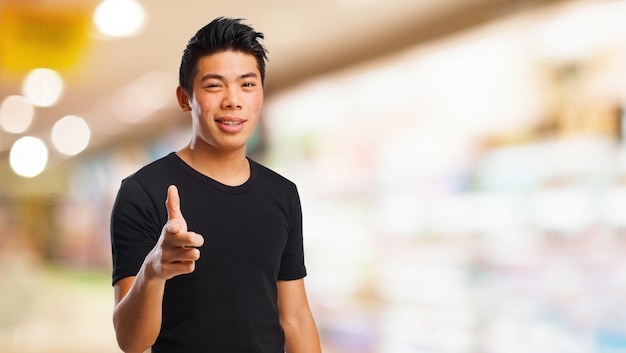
<point x="43" y="87"/>
<point x="119" y="18"/>
<point x="28" y="157"/>
<point x="16" y="114"/>
<point x="71" y="135"/>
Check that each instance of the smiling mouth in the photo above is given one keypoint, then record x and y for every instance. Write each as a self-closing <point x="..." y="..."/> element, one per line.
<point x="229" y="122"/>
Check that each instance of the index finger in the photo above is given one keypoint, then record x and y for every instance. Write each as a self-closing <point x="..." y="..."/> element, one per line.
<point x="172" y="203"/>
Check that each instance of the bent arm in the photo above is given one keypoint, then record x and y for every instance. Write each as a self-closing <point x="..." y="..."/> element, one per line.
<point x="296" y="319"/>
<point x="138" y="309"/>
<point x="137" y="316"/>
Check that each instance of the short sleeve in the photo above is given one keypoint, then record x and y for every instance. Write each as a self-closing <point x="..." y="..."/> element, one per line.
<point x="135" y="228"/>
<point x="292" y="263"/>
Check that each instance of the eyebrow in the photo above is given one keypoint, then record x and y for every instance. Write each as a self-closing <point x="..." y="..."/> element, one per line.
<point x="222" y="78"/>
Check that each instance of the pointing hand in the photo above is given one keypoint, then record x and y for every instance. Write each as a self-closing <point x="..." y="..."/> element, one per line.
<point x="177" y="251"/>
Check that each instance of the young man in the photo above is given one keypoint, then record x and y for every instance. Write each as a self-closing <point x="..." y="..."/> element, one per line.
<point x="207" y="244"/>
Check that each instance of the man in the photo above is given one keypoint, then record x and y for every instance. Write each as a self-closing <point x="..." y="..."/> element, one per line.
<point x="207" y="244"/>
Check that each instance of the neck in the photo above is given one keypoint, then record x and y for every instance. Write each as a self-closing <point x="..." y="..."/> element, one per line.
<point x="230" y="168"/>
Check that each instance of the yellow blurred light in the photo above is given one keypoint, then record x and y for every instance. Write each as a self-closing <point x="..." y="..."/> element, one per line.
<point x="37" y="34"/>
<point x="119" y="18"/>
<point x="16" y="114"/>
<point x="43" y="87"/>
<point x="71" y="135"/>
<point x="28" y="156"/>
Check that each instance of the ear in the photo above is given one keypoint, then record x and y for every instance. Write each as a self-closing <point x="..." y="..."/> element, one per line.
<point x="183" y="99"/>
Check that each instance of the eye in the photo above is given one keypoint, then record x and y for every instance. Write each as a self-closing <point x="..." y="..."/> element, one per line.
<point x="249" y="84"/>
<point x="212" y="85"/>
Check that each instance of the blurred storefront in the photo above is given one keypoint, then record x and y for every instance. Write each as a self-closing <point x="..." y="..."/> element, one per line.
<point x="467" y="195"/>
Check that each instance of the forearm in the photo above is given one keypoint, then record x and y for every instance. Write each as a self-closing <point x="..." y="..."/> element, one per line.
<point x="137" y="317"/>
<point x="301" y="335"/>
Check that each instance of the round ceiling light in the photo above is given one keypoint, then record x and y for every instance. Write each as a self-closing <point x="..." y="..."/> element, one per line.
<point x="119" y="18"/>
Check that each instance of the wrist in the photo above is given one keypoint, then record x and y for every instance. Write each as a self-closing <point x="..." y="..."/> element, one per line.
<point x="151" y="273"/>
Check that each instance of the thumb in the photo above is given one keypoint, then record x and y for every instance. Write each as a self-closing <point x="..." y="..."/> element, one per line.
<point x="175" y="220"/>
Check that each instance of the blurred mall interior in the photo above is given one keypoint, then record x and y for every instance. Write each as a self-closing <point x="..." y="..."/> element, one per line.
<point x="461" y="164"/>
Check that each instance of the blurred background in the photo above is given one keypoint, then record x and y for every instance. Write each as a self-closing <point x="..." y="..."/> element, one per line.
<point x="461" y="164"/>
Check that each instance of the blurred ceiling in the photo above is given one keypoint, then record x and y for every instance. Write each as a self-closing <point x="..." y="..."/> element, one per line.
<point x="305" y="39"/>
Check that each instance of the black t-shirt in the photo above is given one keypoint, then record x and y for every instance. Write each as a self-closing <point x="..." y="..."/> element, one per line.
<point x="252" y="238"/>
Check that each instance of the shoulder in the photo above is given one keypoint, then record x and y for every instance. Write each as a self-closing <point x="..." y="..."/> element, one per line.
<point x="150" y="180"/>
<point x="269" y="176"/>
<point x="156" y="173"/>
<point x="158" y="166"/>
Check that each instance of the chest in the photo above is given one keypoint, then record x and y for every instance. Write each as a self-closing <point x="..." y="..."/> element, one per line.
<point x="246" y="233"/>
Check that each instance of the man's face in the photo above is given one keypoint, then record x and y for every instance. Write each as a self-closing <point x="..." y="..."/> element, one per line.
<point x="227" y="100"/>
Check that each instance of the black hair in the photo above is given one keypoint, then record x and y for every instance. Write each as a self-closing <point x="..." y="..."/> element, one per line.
<point x="220" y="35"/>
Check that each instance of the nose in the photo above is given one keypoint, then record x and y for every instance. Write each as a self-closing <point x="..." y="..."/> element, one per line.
<point x="231" y="100"/>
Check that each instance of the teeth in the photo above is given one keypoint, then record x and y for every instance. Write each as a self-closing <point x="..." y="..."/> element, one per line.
<point x="231" y="123"/>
